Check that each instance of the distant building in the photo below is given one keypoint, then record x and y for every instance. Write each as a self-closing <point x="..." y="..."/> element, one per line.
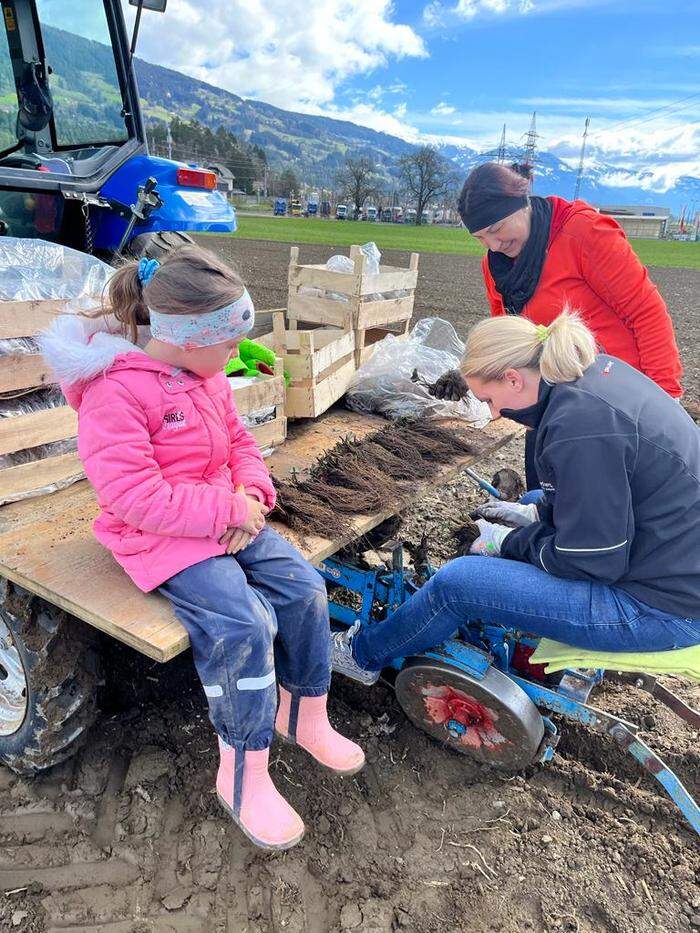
<point x="639" y="220"/>
<point x="225" y="179"/>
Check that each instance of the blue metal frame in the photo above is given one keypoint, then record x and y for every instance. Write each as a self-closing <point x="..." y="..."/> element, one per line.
<point x="480" y="646"/>
<point x="184" y="208"/>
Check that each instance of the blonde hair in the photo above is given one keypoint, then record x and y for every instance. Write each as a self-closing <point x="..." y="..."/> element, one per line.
<point x="561" y="352"/>
<point x="189" y="280"/>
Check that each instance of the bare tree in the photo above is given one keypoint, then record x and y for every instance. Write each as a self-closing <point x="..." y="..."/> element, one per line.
<point x="425" y="175"/>
<point x="357" y="180"/>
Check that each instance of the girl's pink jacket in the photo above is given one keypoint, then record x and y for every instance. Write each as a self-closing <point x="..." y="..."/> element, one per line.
<point x="164" y="450"/>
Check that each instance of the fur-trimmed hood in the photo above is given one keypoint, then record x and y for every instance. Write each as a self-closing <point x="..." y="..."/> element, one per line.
<point x="79" y="349"/>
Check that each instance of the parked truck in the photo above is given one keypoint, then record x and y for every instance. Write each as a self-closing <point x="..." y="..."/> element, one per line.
<point x="312" y="205"/>
<point x="341" y="212"/>
<point x="280" y="207"/>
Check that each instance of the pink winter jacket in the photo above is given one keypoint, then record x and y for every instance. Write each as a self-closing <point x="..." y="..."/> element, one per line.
<point x="164" y="450"/>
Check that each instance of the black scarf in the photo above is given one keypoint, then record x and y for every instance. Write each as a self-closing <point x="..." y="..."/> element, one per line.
<point x="516" y="279"/>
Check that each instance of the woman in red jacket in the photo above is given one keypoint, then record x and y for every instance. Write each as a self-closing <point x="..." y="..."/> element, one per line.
<point x="548" y="253"/>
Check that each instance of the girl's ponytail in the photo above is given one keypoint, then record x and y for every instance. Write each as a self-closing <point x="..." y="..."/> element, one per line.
<point x="567" y="350"/>
<point x="561" y="351"/>
<point x="125" y="300"/>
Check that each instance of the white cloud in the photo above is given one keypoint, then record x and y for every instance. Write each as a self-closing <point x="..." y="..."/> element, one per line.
<point x="379" y="91"/>
<point x="439" y="14"/>
<point x="443" y="110"/>
<point x="376" y="119"/>
<point x="272" y="50"/>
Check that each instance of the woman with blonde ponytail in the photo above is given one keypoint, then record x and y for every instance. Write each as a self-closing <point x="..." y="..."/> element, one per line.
<point x="610" y="558"/>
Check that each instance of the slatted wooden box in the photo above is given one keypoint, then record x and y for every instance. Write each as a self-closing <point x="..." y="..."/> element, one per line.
<point x="320" y="364"/>
<point x="265" y="392"/>
<point x="370" y="319"/>
<point x="23" y="373"/>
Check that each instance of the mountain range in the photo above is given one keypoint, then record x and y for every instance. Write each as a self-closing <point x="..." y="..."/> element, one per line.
<point x="314" y="146"/>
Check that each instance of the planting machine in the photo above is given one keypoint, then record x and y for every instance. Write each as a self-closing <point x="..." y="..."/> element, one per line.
<point x="477" y="694"/>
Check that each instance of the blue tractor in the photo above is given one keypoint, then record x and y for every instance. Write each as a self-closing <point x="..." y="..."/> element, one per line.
<point x="80" y="174"/>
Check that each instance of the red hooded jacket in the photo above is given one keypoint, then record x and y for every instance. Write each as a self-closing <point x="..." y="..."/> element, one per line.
<point x="591" y="267"/>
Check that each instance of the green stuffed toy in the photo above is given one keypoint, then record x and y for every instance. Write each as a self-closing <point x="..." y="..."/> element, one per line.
<point x="252" y="360"/>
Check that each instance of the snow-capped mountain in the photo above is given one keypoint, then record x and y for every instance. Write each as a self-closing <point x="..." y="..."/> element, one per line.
<point x="601" y="183"/>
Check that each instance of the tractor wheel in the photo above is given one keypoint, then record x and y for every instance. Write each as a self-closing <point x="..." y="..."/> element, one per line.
<point x="49" y="674"/>
<point x="492" y="719"/>
<point x="156" y="245"/>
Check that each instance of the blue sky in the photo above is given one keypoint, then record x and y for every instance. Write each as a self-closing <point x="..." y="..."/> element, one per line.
<point x="455" y="70"/>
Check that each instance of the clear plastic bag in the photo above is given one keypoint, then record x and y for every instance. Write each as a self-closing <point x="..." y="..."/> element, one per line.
<point x="36" y="270"/>
<point x="384" y="385"/>
<point x="346" y="265"/>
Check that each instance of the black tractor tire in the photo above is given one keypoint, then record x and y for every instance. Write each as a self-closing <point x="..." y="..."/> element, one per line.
<point x="60" y="659"/>
<point x="156" y="245"/>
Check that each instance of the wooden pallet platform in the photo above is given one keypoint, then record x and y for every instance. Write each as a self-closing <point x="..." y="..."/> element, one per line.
<point x="47" y="546"/>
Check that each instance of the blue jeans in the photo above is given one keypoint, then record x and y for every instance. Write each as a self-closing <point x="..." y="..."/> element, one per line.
<point x="254" y="618"/>
<point x="523" y="597"/>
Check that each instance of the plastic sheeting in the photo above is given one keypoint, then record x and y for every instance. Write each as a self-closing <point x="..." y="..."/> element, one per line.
<point x="36" y="270"/>
<point x="384" y="385"/>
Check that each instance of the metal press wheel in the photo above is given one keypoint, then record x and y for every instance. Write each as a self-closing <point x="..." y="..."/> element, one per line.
<point x="492" y="720"/>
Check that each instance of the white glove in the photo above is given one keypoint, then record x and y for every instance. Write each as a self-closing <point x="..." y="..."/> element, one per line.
<point x="512" y="513"/>
<point x="490" y="540"/>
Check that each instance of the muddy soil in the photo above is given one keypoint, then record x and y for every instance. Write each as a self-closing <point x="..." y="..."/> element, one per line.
<point x="127" y="837"/>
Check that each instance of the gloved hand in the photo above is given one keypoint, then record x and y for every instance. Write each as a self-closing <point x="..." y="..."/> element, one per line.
<point x="451" y="386"/>
<point x="490" y="539"/>
<point x="511" y="513"/>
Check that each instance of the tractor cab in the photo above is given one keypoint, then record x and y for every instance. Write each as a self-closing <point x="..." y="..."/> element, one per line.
<point x="74" y="166"/>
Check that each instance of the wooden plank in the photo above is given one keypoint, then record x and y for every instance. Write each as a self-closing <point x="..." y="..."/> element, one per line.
<point x="346" y="283"/>
<point x="333" y="385"/>
<point x="41" y="427"/>
<point x="265" y="392"/>
<point x="27" y="318"/>
<point x="388" y="279"/>
<point x="311" y="400"/>
<point x="47" y="545"/>
<point x="376" y="313"/>
<point x="28" y="480"/>
<point x="271" y="433"/>
<point x="317" y="310"/>
<point x="24" y="371"/>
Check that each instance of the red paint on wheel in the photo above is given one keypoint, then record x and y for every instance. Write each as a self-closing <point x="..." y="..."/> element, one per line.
<point x="444" y="704"/>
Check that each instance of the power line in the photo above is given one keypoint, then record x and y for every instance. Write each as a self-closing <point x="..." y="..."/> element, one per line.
<point x="671" y="107"/>
<point x="580" y="164"/>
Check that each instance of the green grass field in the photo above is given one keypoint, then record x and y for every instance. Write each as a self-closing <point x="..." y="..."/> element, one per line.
<point x="427" y="239"/>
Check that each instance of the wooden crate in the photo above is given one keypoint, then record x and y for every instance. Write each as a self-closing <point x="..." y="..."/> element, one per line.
<point x="320" y="364"/>
<point x="369" y="318"/>
<point x="265" y="392"/>
<point x="22" y="373"/>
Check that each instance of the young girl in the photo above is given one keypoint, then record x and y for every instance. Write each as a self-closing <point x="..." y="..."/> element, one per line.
<point x="183" y="493"/>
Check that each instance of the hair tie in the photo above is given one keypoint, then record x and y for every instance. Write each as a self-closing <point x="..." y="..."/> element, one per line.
<point x="542" y="332"/>
<point x="147" y="269"/>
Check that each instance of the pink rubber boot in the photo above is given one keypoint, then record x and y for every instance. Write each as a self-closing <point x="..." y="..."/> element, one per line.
<point x="258" y="808"/>
<point x="304" y="721"/>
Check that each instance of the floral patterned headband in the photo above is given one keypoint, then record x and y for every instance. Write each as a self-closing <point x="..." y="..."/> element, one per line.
<point x="191" y="331"/>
